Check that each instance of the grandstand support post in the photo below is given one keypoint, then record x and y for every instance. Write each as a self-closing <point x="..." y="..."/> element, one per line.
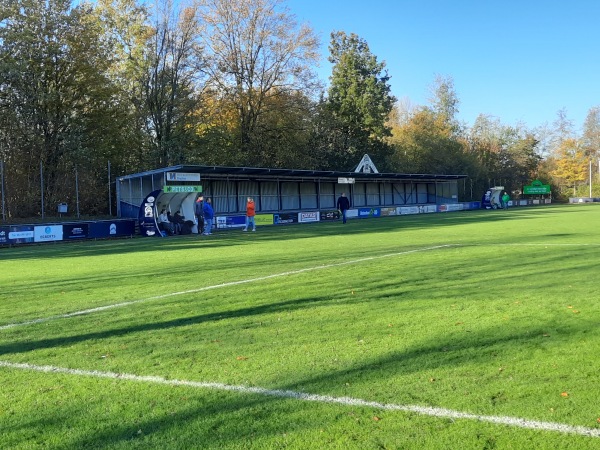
<point x="77" y="190"/>
<point x="109" y="192"/>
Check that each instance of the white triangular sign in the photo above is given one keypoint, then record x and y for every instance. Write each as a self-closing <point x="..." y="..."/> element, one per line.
<point x="366" y="165"/>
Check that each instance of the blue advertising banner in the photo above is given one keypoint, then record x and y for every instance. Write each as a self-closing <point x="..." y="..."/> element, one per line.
<point x="75" y="231"/>
<point x="147" y="217"/>
<point x="368" y="212"/>
<point x="118" y="228"/>
<point x="231" y="221"/>
<point x="21" y="234"/>
<point x="285" y="218"/>
<point x="4" y="235"/>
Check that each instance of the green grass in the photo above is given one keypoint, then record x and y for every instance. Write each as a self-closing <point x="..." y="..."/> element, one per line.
<point x="501" y="321"/>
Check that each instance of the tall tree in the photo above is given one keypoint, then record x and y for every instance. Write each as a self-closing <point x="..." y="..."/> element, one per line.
<point x="126" y="30"/>
<point x="591" y="133"/>
<point x="173" y="80"/>
<point x="54" y="94"/>
<point x="359" y="98"/>
<point x="444" y="100"/>
<point x="571" y="164"/>
<point x="257" y="52"/>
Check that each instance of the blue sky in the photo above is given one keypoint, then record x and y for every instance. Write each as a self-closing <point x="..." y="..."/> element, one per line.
<point x="519" y="61"/>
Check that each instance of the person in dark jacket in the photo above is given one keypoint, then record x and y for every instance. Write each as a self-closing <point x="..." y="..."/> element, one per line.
<point x="343" y="205"/>
<point x="208" y="217"/>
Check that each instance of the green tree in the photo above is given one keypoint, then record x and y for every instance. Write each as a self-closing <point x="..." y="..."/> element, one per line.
<point x="359" y="99"/>
<point x="55" y="96"/>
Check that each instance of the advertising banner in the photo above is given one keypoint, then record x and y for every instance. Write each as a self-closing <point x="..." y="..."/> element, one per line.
<point x="305" y="217"/>
<point x="146" y="216"/>
<point x="285" y="218"/>
<point x="180" y="189"/>
<point x="106" y="229"/>
<point x="449" y="207"/>
<point x="181" y="176"/>
<point x="231" y="221"/>
<point x="21" y="234"/>
<point x="408" y="210"/>
<point x="364" y="213"/>
<point x="352" y="214"/>
<point x="4" y="235"/>
<point x="537" y="188"/>
<point x="75" y="231"/>
<point x="263" y="219"/>
<point x="48" y="233"/>
<point x="388" y="211"/>
<point x="332" y="214"/>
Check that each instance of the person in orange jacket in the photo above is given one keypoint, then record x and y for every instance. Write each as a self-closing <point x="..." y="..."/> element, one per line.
<point x="250" y="213"/>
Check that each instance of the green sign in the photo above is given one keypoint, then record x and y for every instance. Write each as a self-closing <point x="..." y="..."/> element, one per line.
<point x="180" y="189"/>
<point x="264" y="219"/>
<point x="536" y="188"/>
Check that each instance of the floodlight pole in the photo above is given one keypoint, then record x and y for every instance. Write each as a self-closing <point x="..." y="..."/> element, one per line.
<point x="2" y="186"/>
<point x="42" y="186"/>
<point x="590" y="177"/>
<point x="109" y="193"/>
<point x="77" y="190"/>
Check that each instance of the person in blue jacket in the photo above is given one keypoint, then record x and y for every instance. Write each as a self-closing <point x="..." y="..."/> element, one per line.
<point x="208" y="216"/>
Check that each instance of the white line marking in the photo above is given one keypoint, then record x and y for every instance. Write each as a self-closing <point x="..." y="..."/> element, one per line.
<point x="347" y="401"/>
<point x="543" y="245"/>
<point x="216" y="286"/>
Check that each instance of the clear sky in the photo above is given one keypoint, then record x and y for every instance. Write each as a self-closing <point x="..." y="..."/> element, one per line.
<point x="516" y="60"/>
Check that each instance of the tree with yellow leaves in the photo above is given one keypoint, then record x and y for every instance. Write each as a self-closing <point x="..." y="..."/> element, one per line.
<point x="571" y="164"/>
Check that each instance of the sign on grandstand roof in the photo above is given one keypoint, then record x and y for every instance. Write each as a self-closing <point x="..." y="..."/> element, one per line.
<point x="366" y="165"/>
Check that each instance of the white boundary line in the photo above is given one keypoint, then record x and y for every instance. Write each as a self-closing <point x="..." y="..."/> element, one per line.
<point x="216" y="286"/>
<point x="346" y="401"/>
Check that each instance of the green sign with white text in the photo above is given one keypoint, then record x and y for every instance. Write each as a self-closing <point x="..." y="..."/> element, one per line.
<point x="537" y="188"/>
<point x="181" y="189"/>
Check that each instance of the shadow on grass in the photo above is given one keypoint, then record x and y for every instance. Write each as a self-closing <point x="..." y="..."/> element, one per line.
<point x="286" y="306"/>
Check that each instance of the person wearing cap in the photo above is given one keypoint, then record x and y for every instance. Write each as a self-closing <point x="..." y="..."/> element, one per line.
<point x="250" y="213"/>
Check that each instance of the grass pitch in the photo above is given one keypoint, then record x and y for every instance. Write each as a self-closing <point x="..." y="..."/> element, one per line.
<point x="197" y="342"/>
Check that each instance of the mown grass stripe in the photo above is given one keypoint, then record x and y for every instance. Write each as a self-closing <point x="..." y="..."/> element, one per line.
<point x="346" y="401"/>
<point x="216" y="286"/>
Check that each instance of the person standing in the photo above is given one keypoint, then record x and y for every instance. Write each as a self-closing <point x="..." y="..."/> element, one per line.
<point x="208" y="213"/>
<point x="198" y="211"/>
<point x="343" y="205"/>
<point x="505" y="200"/>
<point x="250" y="213"/>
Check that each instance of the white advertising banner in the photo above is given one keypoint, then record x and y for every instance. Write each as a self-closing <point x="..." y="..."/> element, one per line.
<point x="48" y="233"/>
<point x="182" y="176"/>
<point x="304" y="217"/>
